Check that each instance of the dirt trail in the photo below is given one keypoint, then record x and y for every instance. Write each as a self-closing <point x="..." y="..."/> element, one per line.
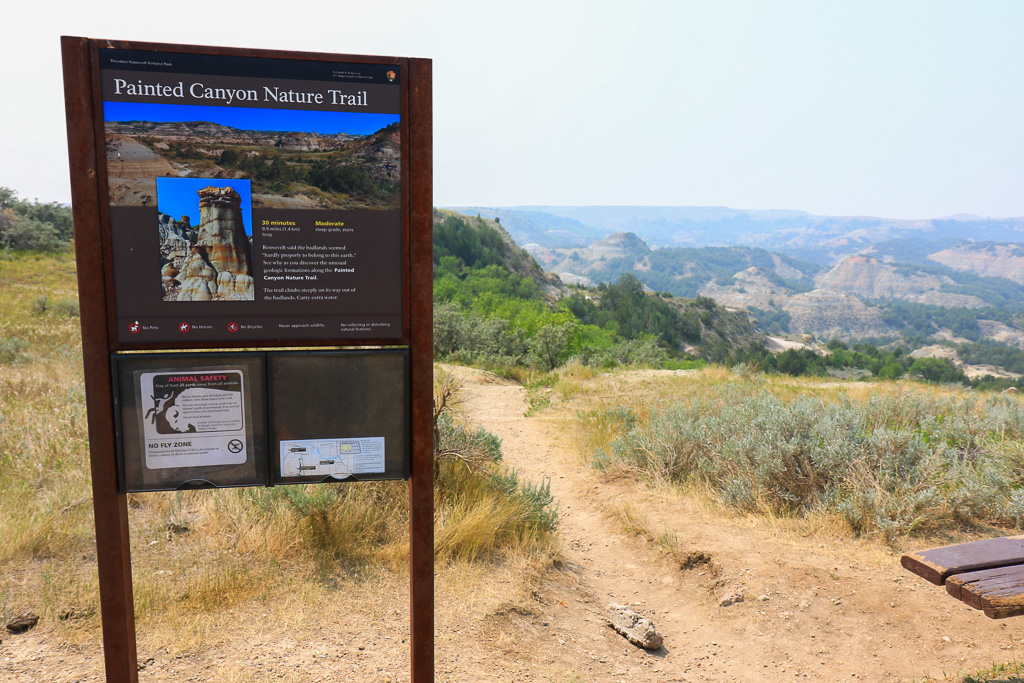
<point x="811" y="609"/>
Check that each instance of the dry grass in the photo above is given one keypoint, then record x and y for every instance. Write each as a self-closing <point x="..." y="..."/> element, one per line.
<point x="202" y="558"/>
<point x="477" y="519"/>
<point x="639" y="391"/>
<point x="635" y="522"/>
<point x="45" y="508"/>
<point x="572" y="380"/>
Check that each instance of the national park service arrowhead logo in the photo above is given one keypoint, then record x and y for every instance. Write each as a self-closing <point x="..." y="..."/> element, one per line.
<point x="391" y="76"/>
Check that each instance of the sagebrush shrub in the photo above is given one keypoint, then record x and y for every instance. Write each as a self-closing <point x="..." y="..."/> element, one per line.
<point x="893" y="464"/>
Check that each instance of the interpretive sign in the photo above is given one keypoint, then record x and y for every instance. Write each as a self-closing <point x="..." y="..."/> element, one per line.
<point x="278" y="202"/>
<point x="253" y="198"/>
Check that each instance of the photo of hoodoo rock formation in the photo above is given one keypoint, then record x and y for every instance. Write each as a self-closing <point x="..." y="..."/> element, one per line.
<point x="212" y="262"/>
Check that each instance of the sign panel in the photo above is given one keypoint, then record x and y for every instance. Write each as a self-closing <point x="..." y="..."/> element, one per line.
<point x="189" y="420"/>
<point x="193" y="419"/>
<point x="253" y="198"/>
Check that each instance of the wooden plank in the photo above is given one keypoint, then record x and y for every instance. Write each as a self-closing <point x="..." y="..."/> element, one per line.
<point x="1005" y="606"/>
<point x="963" y="587"/>
<point x="998" y="592"/>
<point x="937" y="564"/>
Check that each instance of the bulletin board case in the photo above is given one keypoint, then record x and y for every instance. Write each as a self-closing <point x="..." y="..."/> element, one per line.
<point x="187" y="421"/>
<point x="237" y="212"/>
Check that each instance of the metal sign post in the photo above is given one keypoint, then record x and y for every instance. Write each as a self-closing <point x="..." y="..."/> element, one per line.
<point x="219" y="251"/>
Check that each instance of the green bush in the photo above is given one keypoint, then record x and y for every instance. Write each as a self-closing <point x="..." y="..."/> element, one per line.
<point x="467" y="337"/>
<point x="938" y="370"/>
<point x="551" y="345"/>
<point x="40" y="305"/>
<point x="67" y="307"/>
<point x="536" y="498"/>
<point x="456" y="441"/>
<point x="33" y="226"/>
<point x="11" y="350"/>
<point x="20" y="233"/>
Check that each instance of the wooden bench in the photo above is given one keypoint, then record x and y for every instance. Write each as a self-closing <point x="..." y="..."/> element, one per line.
<point x="987" y="575"/>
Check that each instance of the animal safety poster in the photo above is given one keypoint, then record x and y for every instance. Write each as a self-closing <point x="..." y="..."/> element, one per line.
<point x="193" y="418"/>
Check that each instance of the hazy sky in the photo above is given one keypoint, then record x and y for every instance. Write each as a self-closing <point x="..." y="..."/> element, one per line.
<point x="893" y="108"/>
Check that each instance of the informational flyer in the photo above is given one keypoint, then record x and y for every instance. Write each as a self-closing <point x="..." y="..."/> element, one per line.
<point x="193" y="419"/>
<point x="253" y="198"/>
<point x="337" y="458"/>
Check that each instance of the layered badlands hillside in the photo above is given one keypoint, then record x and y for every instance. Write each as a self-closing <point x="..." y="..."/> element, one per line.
<point x="833" y="314"/>
<point x="1002" y="333"/>
<point x="987" y="260"/>
<point x="133" y="169"/>
<point x="971" y="371"/>
<point x="870" y="278"/>
<point x="574" y="265"/>
<point x="821" y="312"/>
<point x="751" y="288"/>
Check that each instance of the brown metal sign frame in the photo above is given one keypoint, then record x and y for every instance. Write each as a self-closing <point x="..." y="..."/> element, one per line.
<point x="94" y="257"/>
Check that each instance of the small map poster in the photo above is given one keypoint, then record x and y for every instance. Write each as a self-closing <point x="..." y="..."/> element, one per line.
<point x="193" y="418"/>
<point x="336" y="458"/>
